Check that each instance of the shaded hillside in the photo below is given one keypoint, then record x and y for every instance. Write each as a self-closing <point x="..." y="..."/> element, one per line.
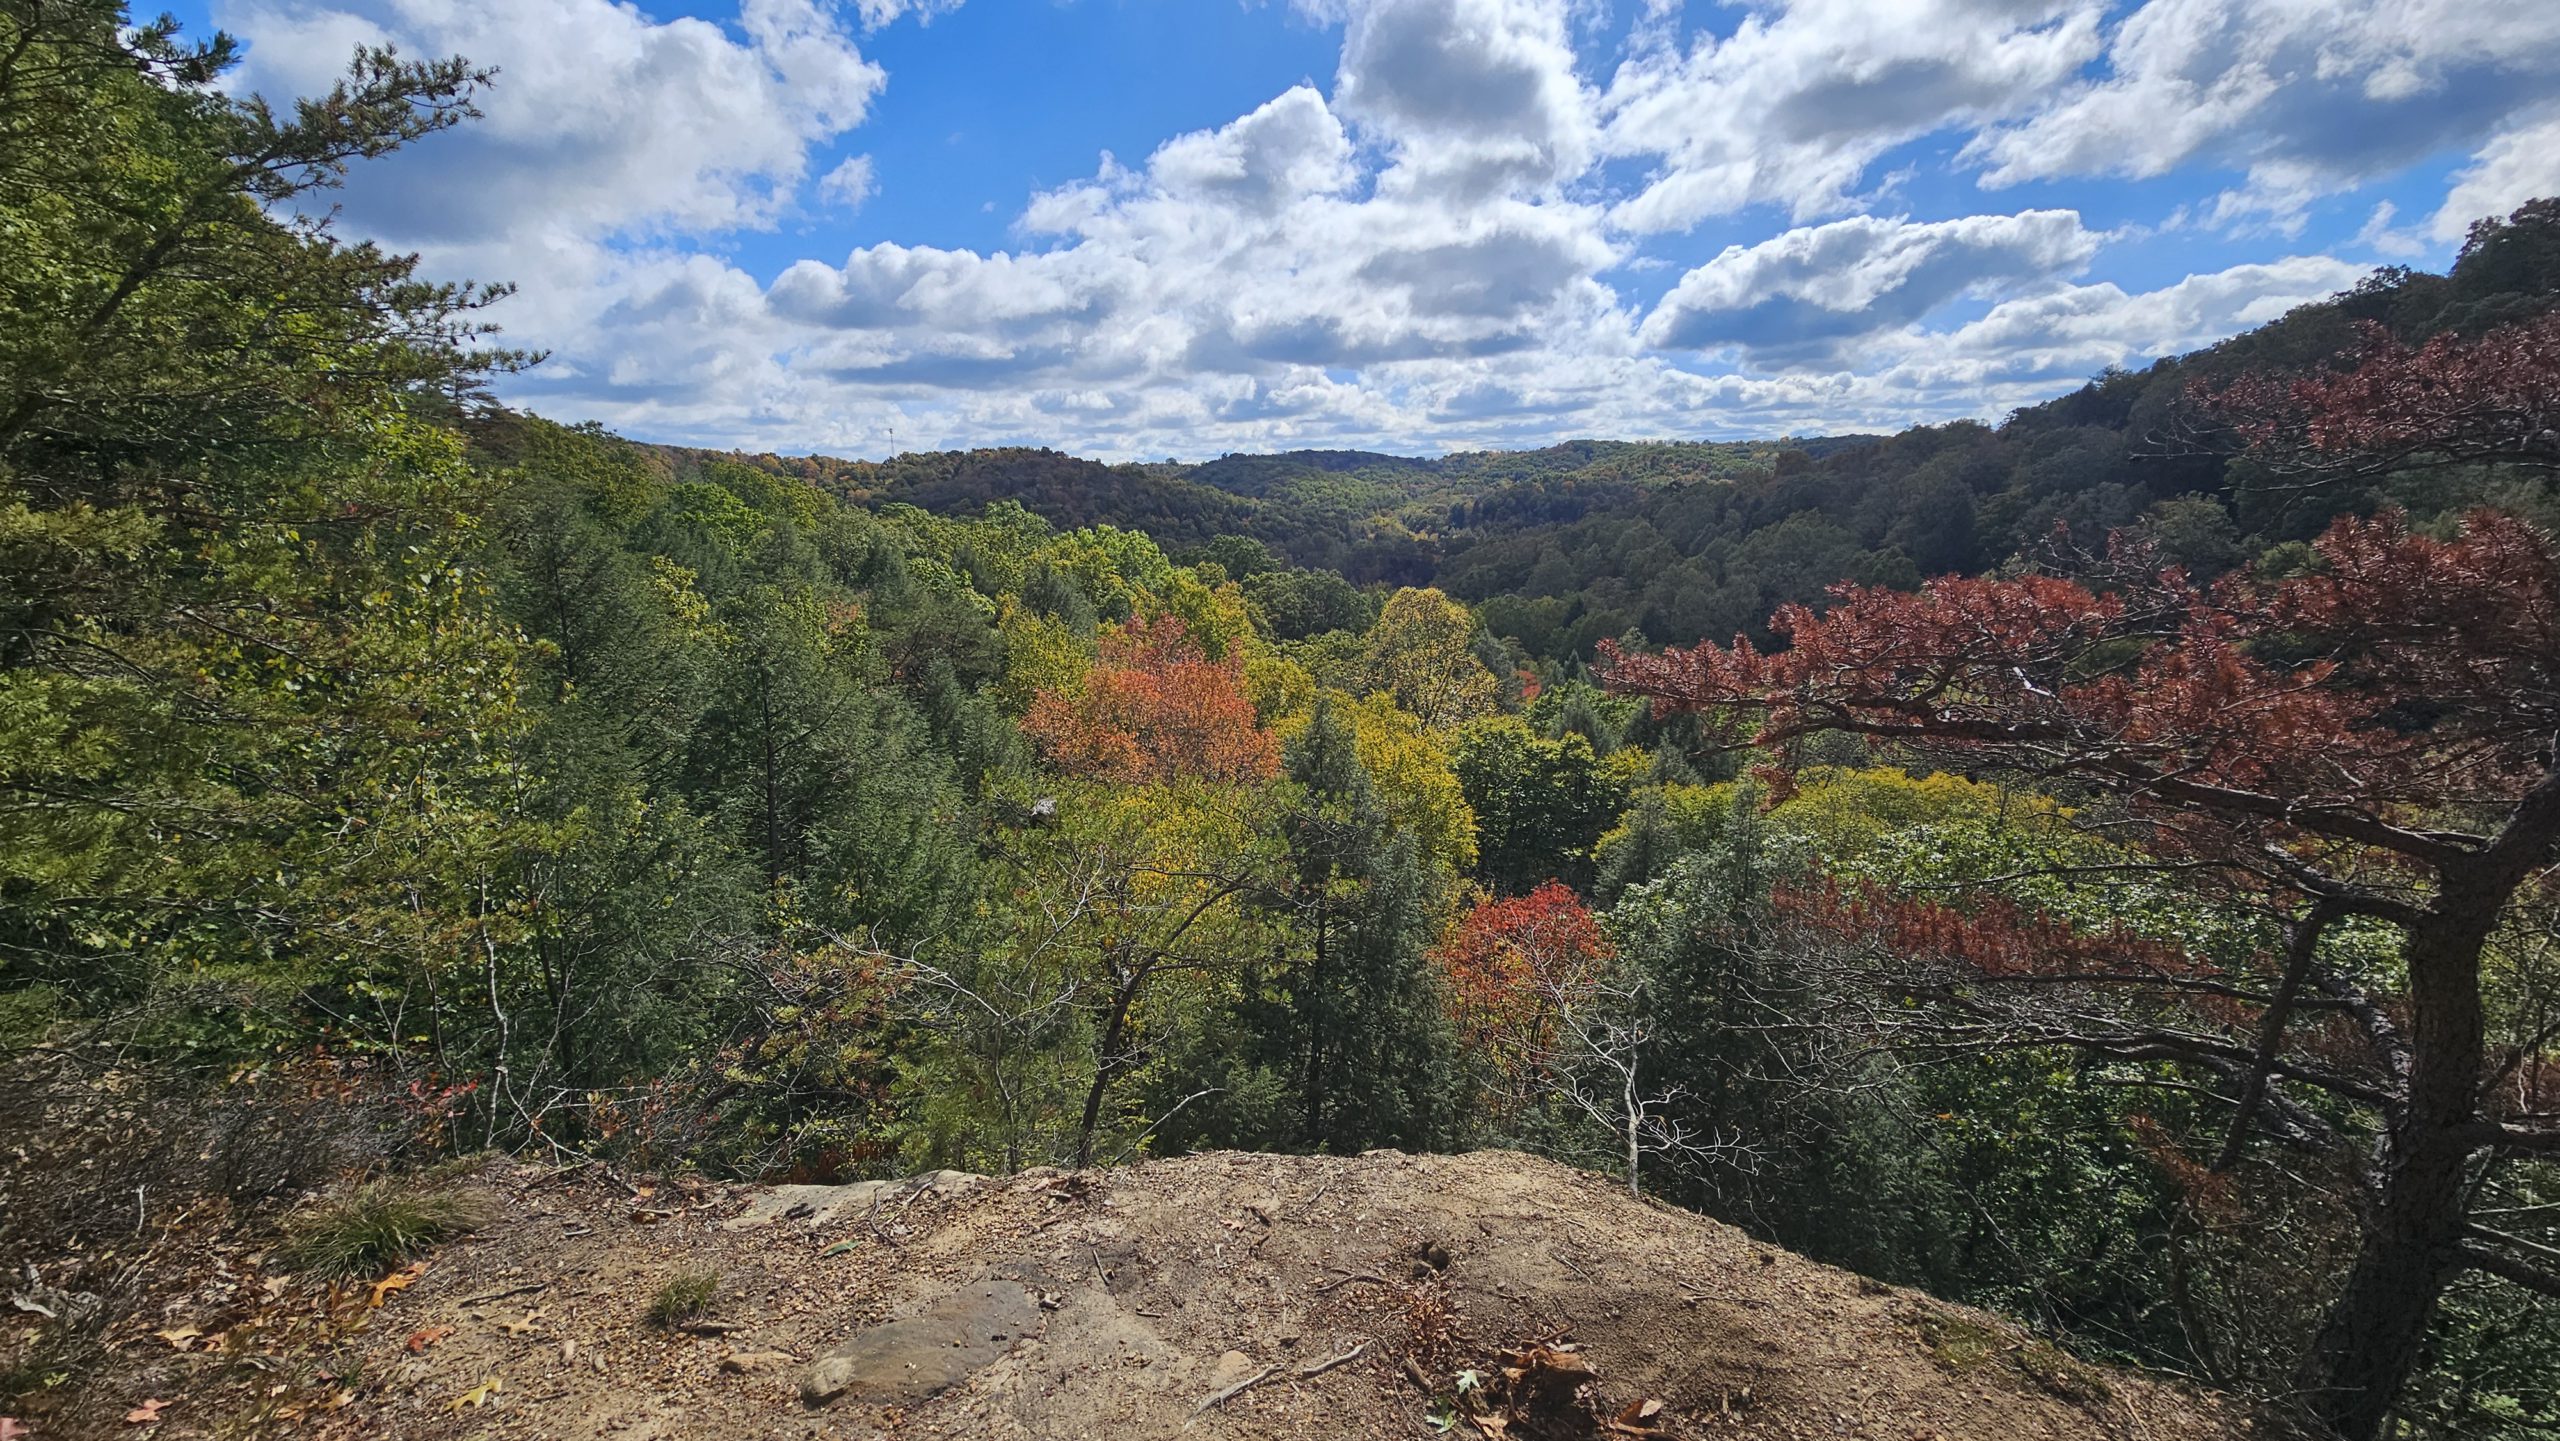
<point x="1372" y="517"/>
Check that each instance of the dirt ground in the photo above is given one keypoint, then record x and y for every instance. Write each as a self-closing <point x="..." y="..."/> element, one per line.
<point x="1487" y="1295"/>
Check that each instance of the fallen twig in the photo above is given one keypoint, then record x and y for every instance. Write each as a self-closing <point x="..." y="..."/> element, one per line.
<point x="1346" y="1358"/>
<point x="1303" y="1373"/>
<point x="1340" y="1281"/>
<point x="524" y="1290"/>
<point x="557" y="1174"/>
<point x="1220" y="1397"/>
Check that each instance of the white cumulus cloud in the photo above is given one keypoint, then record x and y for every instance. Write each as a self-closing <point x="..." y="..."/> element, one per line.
<point x="849" y="184"/>
<point x="1794" y="106"/>
<point x="2518" y="165"/>
<point x="1798" y="296"/>
<point x="1476" y="97"/>
<point x="2305" y="97"/>
<point x="1460" y="237"/>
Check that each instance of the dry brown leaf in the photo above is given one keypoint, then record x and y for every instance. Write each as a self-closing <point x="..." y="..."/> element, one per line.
<point x="400" y="1280"/>
<point x="1636" y="1411"/>
<point x="425" y="1336"/>
<point x="1635" y="1419"/>
<point x="146" y="1414"/>
<point x="182" y="1338"/>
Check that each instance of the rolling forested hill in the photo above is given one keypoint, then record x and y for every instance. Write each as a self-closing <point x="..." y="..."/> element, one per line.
<point x="1563" y="547"/>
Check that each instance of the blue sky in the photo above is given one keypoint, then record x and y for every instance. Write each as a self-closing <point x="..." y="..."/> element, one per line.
<point x="1140" y="228"/>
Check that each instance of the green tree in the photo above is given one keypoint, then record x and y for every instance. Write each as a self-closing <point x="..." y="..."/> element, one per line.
<point x="1421" y="651"/>
<point x="1363" y="1023"/>
<point x="255" y="708"/>
<point x="828" y="784"/>
<point x="1541" y="805"/>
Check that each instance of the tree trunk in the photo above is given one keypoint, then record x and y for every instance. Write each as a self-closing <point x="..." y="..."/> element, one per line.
<point x="1107" y="1065"/>
<point x="2369" y="1342"/>
<point x="1635" y="1137"/>
<point x="1316" y="1033"/>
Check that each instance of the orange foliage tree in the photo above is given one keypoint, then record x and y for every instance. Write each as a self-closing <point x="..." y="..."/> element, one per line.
<point x="1154" y="708"/>
<point x="1512" y="966"/>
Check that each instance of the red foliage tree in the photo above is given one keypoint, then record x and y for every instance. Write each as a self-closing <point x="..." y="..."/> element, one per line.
<point x="2388" y="406"/>
<point x="2376" y="740"/>
<point x="1154" y="708"/>
<point x="1509" y="964"/>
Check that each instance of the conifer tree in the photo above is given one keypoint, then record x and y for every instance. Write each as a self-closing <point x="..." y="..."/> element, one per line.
<point x="1364" y="1027"/>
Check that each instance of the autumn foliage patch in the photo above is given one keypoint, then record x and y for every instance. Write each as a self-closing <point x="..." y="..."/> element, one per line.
<point x="1154" y="708"/>
<point x="1510" y="962"/>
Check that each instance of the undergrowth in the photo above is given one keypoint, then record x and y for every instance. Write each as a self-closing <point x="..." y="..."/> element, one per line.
<point x="378" y="1225"/>
<point x="685" y="1296"/>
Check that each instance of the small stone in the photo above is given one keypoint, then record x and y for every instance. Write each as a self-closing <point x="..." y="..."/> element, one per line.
<point x="1232" y="1367"/>
<point x="749" y="1363"/>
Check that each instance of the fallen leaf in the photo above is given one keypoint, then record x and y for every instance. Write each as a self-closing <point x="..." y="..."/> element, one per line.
<point x="425" y="1336"/>
<point x="400" y="1280"/>
<point x="531" y="1323"/>
<point x="475" y="1398"/>
<point x="146" y="1414"/>
<point x="182" y="1338"/>
<point x="1636" y="1419"/>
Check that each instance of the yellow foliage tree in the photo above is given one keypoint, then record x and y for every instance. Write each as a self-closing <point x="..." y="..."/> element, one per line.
<point x="1419" y="653"/>
<point x="1409" y="766"/>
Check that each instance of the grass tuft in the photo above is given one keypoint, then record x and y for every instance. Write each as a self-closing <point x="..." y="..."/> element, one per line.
<point x="685" y="1296"/>
<point x="377" y="1226"/>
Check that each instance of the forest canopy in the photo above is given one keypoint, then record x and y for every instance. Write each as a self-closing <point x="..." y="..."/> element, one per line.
<point x="2098" y="865"/>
